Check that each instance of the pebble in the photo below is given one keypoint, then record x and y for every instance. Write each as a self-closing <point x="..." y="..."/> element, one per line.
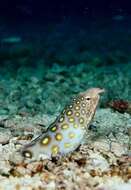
<point x="5" y="136"/>
<point x="117" y="149"/>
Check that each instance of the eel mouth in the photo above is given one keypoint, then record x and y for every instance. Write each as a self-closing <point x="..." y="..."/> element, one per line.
<point x="99" y="90"/>
<point x="95" y="91"/>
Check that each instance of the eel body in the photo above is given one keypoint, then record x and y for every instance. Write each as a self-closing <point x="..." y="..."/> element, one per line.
<point x="66" y="133"/>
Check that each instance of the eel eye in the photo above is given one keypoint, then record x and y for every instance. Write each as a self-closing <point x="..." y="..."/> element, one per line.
<point x="88" y="98"/>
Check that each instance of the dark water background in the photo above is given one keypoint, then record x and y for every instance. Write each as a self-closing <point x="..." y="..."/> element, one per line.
<point x="23" y="10"/>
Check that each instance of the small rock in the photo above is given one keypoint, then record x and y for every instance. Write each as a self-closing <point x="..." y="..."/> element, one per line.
<point x="96" y="161"/>
<point x="5" y="136"/>
<point x="117" y="149"/>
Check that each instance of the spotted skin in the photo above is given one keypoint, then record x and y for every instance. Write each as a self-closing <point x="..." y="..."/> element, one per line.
<point x="67" y="132"/>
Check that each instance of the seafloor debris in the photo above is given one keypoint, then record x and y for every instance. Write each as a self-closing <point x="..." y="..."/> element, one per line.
<point x="121" y="106"/>
<point x="85" y="168"/>
<point x="95" y="165"/>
